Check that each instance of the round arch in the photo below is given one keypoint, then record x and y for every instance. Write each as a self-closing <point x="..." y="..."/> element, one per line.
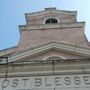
<point x="51" y="20"/>
<point x="54" y="57"/>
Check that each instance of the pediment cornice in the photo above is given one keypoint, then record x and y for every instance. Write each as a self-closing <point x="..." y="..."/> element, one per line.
<point x="49" y="11"/>
<point x="67" y="48"/>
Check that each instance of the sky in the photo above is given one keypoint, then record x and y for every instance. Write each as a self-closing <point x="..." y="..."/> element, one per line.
<point x="12" y="14"/>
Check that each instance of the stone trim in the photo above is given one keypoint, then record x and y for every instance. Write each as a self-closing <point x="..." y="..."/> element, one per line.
<point x="77" y="50"/>
<point x="46" y="68"/>
<point x="30" y="15"/>
<point x="52" y="26"/>
<point x="53" y="56"/>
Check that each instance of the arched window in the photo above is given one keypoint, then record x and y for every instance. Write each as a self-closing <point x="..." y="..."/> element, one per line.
<point x="51" y="21"/>
<point x="56" y="57"/>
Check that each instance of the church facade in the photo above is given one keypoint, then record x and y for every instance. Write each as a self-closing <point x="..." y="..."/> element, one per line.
<point x="52" y="54"/>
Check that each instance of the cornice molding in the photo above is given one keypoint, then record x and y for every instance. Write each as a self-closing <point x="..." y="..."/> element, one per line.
<point x="8" y="50"/>
<point x="47" y="11"/>
<point x="52" y="26"/>
<point x="73" y="49"/>
<point x="33" y="69"/>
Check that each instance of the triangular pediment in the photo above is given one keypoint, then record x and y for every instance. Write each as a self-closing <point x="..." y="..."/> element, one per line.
<point x="51" y="11"/>
<point x="52" y="46"/>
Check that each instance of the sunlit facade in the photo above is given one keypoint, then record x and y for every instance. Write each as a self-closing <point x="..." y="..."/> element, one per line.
<point x="52" y="54"/>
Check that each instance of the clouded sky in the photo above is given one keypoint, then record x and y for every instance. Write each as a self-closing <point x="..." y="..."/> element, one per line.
<point x="12" y="15"/>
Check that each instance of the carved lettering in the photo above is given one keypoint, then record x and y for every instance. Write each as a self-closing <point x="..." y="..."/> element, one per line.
<point x="77" y="80"/>
<point x="57" y="81"/>
<point x="67" y="81"/>
<point x="5" y="83"/>
<point x="38" y="82"/>
<point x="47" y="82"/>
<point x="86" y="80"/>
<point x="15" y="83"/>
<point x="25" y="81"/>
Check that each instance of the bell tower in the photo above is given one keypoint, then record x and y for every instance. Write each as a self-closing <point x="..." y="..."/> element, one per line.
<point x="51" y="25"/>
